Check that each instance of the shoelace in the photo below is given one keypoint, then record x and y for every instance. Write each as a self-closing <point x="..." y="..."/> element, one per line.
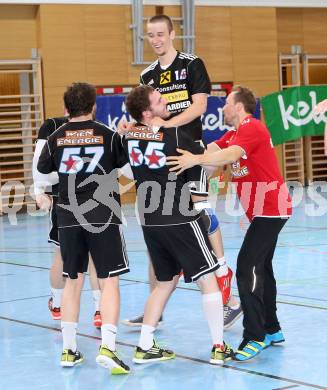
<point x="119" y="355"/>
<point x="226" y="311"/>
<point x="116" y="355"/>
<point x="159" y="346"/>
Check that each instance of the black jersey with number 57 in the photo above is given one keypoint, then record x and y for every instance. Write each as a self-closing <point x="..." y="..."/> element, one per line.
<point x="82" y="154"/>
<point x="185" y="76"/>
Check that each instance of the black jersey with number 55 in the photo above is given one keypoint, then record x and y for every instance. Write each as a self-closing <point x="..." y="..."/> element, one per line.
<point x="163" y="198"/>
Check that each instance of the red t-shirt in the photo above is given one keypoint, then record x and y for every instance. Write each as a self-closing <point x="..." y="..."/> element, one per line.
<point x="260" y="185"/>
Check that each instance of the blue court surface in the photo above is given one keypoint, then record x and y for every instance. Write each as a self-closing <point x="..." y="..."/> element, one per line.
<point x="30" y="341"/>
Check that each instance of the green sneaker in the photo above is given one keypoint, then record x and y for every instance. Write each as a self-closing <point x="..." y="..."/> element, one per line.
<point x="154" y="354"/>
<point x="109" y="359"/>
<point x="70" y="358"/>
<point x="221" y="354"/>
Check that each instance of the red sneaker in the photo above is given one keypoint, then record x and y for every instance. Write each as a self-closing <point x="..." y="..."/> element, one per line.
<point x="97" y="320"/>
<point x="55" y="311"/>
<point x="225" y="285"/>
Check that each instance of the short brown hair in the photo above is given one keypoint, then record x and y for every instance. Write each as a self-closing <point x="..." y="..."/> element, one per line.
<point x="79" y="99"/>
<point x="245" y="96"/>
<point x="162" y="18"/>
<point x="138" y="101"/>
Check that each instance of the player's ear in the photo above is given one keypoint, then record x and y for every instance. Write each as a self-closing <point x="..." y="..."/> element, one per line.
<point x="94" y="109"/>
<point x="239" y="107"/>
<point x="172" y="35"/>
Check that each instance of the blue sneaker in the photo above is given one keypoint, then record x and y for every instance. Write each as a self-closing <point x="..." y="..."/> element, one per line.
<point x="248" y="350"/>
<point x="274" y="338"/>
<point x="267" y="341"/>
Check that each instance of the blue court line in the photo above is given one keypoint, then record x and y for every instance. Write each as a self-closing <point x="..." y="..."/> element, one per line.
<point x="226" y="366"/>
<point x="180" y="287"/>
<point x="23" y="250"/>
<point x="37" y="250"/>
<point x="48" y="295"/>
<point x="25" y="299"/>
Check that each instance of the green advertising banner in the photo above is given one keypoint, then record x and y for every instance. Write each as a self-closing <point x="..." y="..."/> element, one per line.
<point x="289" y="113"/>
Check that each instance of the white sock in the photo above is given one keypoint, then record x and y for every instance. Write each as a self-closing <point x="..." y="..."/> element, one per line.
<point x="109" y="333"/>
<point x="213" y="310"/>
<point x="56" y="296"/>
<point x="68" y="330"/>
<point x="96" y="299"/>
<point x="146" y="338"/>
<point x="223" y="269"/>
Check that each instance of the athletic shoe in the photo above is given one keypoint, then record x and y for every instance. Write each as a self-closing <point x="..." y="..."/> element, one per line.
<point x="70" y="358"/>
<point x="154" y="354"/>
<point x="274" y="338"/>
<point x="221" y="354"/>
<point x="231" y="315"/>
<point x="248" y="349"/>
<point x="225" y="285"/>
<point x="109" y="359"/>
<point x="55" y="311"/>
<point x="97" y="321"/>
<point x="138" y="321"/>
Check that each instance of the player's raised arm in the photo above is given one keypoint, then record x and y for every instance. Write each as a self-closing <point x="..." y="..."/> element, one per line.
<point x="211" y="159"/>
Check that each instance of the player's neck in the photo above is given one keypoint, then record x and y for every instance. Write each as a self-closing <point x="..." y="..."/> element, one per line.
<point x="82" y="118"/>
<point x="241" y="118"/>
<point x="146" y="123"/>
<point x="168" y="58"/>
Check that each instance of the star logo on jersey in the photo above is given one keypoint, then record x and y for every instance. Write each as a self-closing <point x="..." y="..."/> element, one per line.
<point x="153" y="158"/>
<point x="165" y="77"/>
<point x="135" y="157"/>
<point x="70" y="164"/>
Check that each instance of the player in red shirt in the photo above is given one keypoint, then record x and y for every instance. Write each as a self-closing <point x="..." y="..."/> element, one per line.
<point x="267" y="204"/>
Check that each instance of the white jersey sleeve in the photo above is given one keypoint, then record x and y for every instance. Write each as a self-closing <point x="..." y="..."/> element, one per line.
<point x="41" y="180"/>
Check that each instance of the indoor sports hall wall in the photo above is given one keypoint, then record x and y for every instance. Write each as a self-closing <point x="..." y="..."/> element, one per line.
<point x="94" y="43"/>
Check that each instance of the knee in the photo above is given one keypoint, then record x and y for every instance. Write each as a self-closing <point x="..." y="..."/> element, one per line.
<point x="75" y="285"/>
<point x="212" y="223"/>
<point x="208" y="216"/>
<point x="112" y="281"/>
<point x="241" y="274"/>
<point x="249" y="281"/>
<point x="208" y="283"/>
<point x="167" y="287"/>
<point x="175" y="282"/>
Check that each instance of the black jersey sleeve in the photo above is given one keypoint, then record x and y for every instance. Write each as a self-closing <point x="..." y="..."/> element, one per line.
<point x="187" y="143"/>
<point x="117" y="151"/>
<point x="47" y="128"/>
<point x="46" y="163"/>
<point x="195" y="176"/>
<point x="198" y="77"/>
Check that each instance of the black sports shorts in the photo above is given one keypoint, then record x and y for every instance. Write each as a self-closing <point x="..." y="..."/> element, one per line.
<point x="107" y="249"/>
<point x="184" y="247"/>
